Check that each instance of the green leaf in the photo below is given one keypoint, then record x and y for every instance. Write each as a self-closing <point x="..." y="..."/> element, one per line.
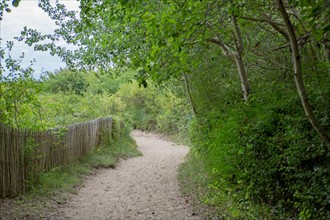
<point x="326" y="29"/>
<point x="15" y="3"/>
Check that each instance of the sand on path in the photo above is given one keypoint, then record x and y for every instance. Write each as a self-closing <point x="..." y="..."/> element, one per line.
<point x="144" y="187"/>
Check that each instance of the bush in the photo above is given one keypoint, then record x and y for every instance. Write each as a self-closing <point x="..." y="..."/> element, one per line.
<point x="285" y="161"/>
<point x="64" y="81"/>
<point x="154" y="108"/>
<point x="265" y="154"/>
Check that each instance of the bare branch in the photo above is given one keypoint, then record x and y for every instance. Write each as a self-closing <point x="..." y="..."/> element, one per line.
<point x="225" y="49"/>
<point x="275" y="25"/>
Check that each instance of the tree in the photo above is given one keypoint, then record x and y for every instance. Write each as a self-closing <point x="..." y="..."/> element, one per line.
<point x="310" y="22"/>
<point x="64" y="81"/>
<point x="159" y="36"/>
<point x="18" y="91"/>
<point x="296" y="57"/>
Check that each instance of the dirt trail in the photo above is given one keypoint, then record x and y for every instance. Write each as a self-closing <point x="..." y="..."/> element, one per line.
<point x="138" y="188"/>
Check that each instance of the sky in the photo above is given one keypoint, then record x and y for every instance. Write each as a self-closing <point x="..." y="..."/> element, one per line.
<point x="30" y="15"/>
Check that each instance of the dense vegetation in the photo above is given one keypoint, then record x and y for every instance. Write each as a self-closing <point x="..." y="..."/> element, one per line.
<point x="246" y="83"/>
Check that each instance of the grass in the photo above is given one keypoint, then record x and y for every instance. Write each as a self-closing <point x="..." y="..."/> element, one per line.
<point x="194" y="181"/>
<point x="52" y="188"/>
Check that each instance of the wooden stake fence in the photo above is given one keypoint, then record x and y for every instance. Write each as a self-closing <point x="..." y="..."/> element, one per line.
<point x="24" y="153"/>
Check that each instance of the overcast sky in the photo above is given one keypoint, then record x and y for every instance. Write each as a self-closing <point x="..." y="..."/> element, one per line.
<point x="29" y="14"/>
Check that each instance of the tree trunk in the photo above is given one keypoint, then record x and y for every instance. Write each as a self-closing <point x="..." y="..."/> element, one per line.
<point x="186" y="82"/>
<point x="239" y="61"/>
<point x="298" y="75"/>
<point x="243" y="76"/>
<point x="237" y="57"/>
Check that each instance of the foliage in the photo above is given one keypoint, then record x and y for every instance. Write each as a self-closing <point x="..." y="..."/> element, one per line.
<point x="154" y="108"/>
<point x="4" y="6"/>
<point x="70" y="97"/>
<point x="63" y="109"/>
<point x="261" y="158"/>
<point x="19" y="106"/>
<point x="64" y="81"/>
<point x="290" y="153"/>
<point x="266" y="155"/>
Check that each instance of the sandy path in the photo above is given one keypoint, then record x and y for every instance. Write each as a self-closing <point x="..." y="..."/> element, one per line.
<point x="139" y="188"/>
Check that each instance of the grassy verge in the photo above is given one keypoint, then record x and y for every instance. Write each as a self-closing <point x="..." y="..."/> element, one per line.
<point x="53" y="188"/>
<point x="199" y="187"/>
<point x="195" y="185"/>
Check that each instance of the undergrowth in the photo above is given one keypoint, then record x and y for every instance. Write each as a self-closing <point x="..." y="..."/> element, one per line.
<point x="258" y="161"/>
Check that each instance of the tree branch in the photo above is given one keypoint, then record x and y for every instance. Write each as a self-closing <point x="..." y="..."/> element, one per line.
<point x="225" y="49"/>
<point x="240" y="46"/>
<point x="301" y="41"/>
<point x="275" y="25"/>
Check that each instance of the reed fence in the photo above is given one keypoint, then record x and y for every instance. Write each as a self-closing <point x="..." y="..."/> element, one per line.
<point x="25" y="153"/>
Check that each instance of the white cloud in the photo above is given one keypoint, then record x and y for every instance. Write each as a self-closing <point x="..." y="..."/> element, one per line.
<point x="29" y="14"/>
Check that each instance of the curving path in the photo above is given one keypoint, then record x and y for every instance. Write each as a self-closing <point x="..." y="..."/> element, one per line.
<point x="138" y="188"/>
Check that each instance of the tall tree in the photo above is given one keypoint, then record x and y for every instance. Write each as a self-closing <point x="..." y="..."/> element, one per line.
<point x="296" y="57"/>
